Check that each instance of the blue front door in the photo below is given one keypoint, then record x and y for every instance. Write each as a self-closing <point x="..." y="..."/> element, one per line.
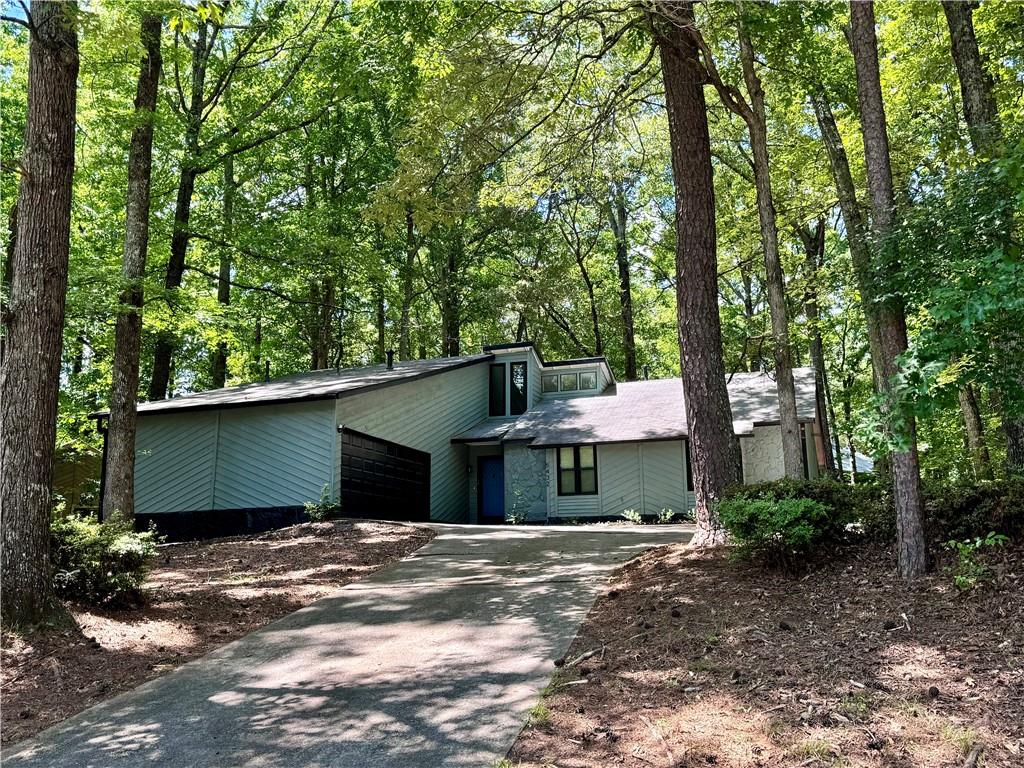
<point x="492" y="489"/>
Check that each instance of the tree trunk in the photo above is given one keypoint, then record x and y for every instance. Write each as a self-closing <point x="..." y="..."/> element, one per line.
<point x="220" y="355"/>
<point x="891" y="319"/>
<point x="754" y="361"/>
<point x="814" y="251"/>
<point x="715" y="450"/>
<point x="853" y="219"/>
<point x="980" y="108"/>
<point x="404" y="325"/>
<point x="451" y="316"/>
<point x="836" y="445"/>
<point x="119" y="483"/>
<point x="618" y="217"/>
<point x="982" y="115"/>
<point x="792" y="445"/>
<point x="975" y="434"/>
<point x="30" y="377"/>
<point x="848" y="416"/>
<point x="595" y="316"/>
<point x="382" y="320"/>
<point x="5" y="289"/>
<point x="163" y="350"/>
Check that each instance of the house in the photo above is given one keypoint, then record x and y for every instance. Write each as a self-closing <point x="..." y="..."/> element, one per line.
<point x="483" y="438"/>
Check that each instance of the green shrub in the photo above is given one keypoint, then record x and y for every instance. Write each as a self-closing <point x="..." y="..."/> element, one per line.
<point x="326" y="508"/>
<point x="958" y="511"/>
<point x="632" y="516"/>
<point x="782" y="533"/>
<point x="99" y="563"/>
<point x="968" y="571"/>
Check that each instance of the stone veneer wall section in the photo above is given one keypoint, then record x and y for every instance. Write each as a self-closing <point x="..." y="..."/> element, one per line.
<point x="526" y="483"/>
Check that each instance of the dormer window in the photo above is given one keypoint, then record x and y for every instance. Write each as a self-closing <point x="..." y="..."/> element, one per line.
<point x="507" y="393"/>
<point x="496" y="399"/>
<point x="553" y="383"/>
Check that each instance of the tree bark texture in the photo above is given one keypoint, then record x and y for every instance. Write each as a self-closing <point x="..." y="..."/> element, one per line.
<point x="220" y="355"/>
<point x="979" y="100"/>
<point x="163" y="350"/>
<point x="980" y="460"/>
<point x="618" y="217"/>
<point x="982" y="115"/>
<point x="853" y="218"/>
<point x="912" y="555"/>
<point x="405" y="321"/>
<point x="34" y="323"/>
<point x="119" y="484"/>
<point x="814" y="250"/>
<point x="792" y="444"/>
<point x="715" y="451"/>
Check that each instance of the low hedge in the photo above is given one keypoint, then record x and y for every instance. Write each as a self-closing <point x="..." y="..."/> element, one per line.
<point x="99" y="563"/>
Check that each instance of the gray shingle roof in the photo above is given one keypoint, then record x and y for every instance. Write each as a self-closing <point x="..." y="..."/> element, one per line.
<point x="312" y="385"/>
<point x="653" y="410"/>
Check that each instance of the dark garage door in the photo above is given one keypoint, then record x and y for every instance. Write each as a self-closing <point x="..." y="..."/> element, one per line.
<point x="383" y="480"/>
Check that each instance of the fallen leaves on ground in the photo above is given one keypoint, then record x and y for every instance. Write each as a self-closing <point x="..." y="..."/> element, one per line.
<point x="692" y="660"/>
<point x="200" y="595"/>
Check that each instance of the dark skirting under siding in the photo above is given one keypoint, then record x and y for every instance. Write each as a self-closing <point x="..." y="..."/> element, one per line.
<point x="211" y="524"/>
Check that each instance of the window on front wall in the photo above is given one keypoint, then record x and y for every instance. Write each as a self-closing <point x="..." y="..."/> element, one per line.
<point x="517" y="389"/>
<point x="549" y="383"/>
<point x="497" y="390"/>
<point x="577" y="470"/>
<point x="588" y="380"/>
<point x="567" y="382"/>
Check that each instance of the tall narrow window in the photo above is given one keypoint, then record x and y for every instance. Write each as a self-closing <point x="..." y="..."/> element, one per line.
<point x="689" y="465"/>
<point x="517" y="392"/>
<point x="497" y="390"/>
<point x="577" y="471"/>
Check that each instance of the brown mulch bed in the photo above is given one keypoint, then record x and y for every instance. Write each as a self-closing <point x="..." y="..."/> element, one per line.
<point x="200" y="595"/>
<point x="697" y="660"/>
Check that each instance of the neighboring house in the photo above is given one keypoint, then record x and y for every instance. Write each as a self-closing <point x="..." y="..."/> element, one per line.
<point x="483" y="438"/>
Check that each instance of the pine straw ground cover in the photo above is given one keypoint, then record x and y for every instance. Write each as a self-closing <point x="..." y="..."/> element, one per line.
<point x="689" y="659"/>
<point x="200" y="595"/>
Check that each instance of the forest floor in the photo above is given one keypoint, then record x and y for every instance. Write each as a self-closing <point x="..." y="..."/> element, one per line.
<point x="690" y="659"/>
<point x="200" y="595"/>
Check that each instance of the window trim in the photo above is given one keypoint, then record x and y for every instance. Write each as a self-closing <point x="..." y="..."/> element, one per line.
<point x="576" y="470"/>
<point x="490" y="390"/>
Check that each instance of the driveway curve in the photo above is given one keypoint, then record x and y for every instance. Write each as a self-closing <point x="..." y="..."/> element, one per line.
<point x="433" y="661"/>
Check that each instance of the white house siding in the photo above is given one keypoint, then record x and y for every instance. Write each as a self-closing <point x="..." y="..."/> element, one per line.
<point x="274" y="456"/>
<point x="175" y="460"/>
<point x="424" y="414"/>
<point x="619" y="475"/>
<point x="646" y="477"/>
<point x="267" y="456"/>
<point x="664" y="477"/>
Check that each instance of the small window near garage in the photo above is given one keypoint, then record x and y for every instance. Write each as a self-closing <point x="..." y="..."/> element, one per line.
<point x="689" y="465"/>
<point x="588" y="380"/>
<point x="549" y="383"/>
<point x="497" y="390"/>
<point x="577" y="471"/>
<point x="567" y="382"/>
<point x="517" y="391"/>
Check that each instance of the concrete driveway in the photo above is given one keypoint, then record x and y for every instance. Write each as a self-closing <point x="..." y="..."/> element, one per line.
<point x="433" y="661"/>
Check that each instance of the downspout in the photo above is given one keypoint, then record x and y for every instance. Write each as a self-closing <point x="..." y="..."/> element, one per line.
<point x="101" y="427"/>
